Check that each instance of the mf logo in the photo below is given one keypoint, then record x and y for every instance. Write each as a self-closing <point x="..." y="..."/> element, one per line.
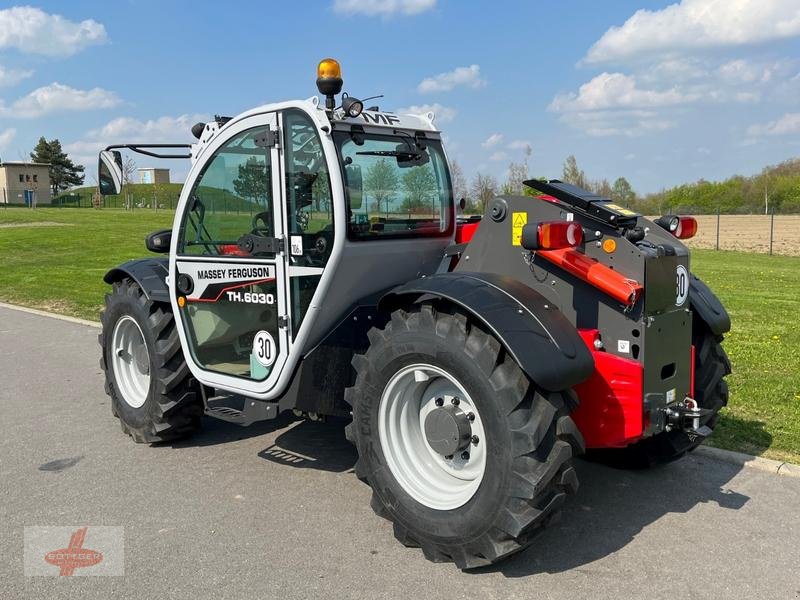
<point x="380" y="118"/>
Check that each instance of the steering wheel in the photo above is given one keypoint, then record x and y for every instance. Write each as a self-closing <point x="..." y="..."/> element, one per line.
<point x="262" y="224"/>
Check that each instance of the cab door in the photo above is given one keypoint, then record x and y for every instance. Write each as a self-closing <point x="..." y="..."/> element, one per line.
<point x="230" y="291"/>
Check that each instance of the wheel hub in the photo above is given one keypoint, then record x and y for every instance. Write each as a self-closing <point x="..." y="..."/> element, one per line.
<point x="432" y="436"/>
<point x="447" y="430"/>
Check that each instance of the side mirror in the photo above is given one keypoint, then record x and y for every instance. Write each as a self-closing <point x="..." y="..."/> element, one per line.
<point x="355" y="185"/>
<point x="109" y="172"/>
<point x="159" y="241"/>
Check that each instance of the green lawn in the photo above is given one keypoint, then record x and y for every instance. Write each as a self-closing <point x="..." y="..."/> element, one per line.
<point x="762" y="295"/>
<point x="59" y="267"/>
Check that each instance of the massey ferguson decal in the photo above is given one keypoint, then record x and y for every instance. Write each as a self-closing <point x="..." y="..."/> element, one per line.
<point x="214" y="282"/>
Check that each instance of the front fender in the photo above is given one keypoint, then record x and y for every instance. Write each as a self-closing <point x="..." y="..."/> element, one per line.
<point x="707" y="306"/>
<point x="539" y="338"/>
<point x="149" y="273"/>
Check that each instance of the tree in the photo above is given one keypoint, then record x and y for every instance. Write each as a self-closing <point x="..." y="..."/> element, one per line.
<point x="64" y="173"/>
<point x="572" y="174"/>
<point x="459" y="182"/>
<point x="128" y="169"/>
<point x="381" y="183"/>
<point x="421" y="189"/>
<point x="517" y="173"/>
<point x="251" y="184"/>
<point x="484" y="188"/>
<point x="622" y="192"/>
<point x="602" y="188"/>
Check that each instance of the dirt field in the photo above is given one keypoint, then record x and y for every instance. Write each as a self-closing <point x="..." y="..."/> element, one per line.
<point x="749" y="233"/>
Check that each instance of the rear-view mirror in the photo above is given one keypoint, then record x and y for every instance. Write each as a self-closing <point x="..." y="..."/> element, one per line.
<point x="109" y="172"/>
<point x="159" y="241"/>
<point x="355" y="185"/>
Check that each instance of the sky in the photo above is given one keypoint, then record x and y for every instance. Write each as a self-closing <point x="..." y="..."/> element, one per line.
<point x="660" y="93"/>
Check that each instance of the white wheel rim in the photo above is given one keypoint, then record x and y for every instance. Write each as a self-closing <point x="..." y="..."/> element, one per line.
<point x="131" y="361"/>
<point x="428" y="477"/>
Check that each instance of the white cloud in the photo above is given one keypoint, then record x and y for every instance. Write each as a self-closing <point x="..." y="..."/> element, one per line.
<point x="9" y="77"/>
<point x="787" y="124"/>
<point x="498" y="156"/>
<point x="58" y="97"/>
<point x="693" y="24"/>
<point x="607" y="123"/>
<point x="675" y="69"/>
<point x="165" y="130"/>
<point x="742" y="71"/>
<point x="492" y="140"/>
<point x="459" y="77"/>
<point x="519" y="145"/>
<point x="444" y="114"/>
<point x="382" y="8"/>
<point x="33" y="31"/>
<point x="616" y="90"/>
<point x="6" y="137"/>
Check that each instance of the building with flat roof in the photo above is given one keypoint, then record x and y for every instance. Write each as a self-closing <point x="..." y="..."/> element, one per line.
<point x="24" y="183"/>
<point x="152" y="175"/>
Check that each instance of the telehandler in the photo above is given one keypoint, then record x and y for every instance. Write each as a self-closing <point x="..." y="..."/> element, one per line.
<point x="318" y="263"/>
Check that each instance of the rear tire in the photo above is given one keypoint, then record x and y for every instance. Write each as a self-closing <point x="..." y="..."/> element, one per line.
<point x="711" y="366"/>
<point x="530" y="439"/>
<point x="152" y="391"/>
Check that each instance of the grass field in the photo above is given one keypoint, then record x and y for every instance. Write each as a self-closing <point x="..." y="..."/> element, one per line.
<point x="55" y="259"/>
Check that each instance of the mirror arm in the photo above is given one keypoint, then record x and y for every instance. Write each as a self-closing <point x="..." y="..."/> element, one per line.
<point x="139" y="148"/>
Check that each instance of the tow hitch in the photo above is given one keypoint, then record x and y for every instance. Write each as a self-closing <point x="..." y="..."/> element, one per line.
<point x="685" y="416"/>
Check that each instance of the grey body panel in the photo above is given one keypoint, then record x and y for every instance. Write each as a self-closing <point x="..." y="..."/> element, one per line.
<point x="539" y="338"/>
<point x="149" y="273"/>
<point x="368" y="268"/>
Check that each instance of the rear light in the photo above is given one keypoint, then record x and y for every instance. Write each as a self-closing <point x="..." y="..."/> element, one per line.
<point x="553" y="235"/>
<point x="681" y="227"/>
<point x="686" y="228"/>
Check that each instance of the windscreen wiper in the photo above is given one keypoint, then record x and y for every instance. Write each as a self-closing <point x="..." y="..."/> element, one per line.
<point x="404" y="154"/>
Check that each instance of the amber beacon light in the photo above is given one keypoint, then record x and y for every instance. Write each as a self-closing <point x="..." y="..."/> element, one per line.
<point x="329" y="80"/>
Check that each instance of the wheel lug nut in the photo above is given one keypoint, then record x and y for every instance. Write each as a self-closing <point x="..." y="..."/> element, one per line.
<point x="455" y="401"/>
<point x="471" y="416"/>
<point x="475" y="440"/>
<point x="465" y="456"/>
<point x="439" y="401"/>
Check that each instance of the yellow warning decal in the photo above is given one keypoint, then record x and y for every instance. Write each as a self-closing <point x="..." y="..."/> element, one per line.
<point x="620" y="209"/>
<point x="518" y="221"/>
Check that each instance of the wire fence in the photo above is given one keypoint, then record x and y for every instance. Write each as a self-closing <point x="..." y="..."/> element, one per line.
<point x="760" y="233"/>
<point x="768" y="234"/>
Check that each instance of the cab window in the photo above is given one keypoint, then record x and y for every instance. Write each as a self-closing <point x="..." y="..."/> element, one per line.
<point x="231" y="197"/>
<point x="309" y="210"/>
<point x="397" y="186"/>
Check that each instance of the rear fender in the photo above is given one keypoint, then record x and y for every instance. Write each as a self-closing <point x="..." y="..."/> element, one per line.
<point x="539" y="338"/>
<point x="708" y="307"/>
<point x="149" y="273"/>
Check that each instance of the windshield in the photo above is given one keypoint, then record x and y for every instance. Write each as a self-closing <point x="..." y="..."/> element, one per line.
<point x="397" y="186"/>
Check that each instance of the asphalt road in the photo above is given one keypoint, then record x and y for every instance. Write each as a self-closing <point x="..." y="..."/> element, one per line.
<point x="274" y="511"/>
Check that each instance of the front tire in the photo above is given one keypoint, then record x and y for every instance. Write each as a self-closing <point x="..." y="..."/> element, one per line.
<point x="522" y="473"/>
<point x="151" y="389"/>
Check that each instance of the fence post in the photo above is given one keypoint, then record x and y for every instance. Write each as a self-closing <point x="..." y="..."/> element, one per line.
<point x="717" y="245"/>
<point x="771" y="228"/>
